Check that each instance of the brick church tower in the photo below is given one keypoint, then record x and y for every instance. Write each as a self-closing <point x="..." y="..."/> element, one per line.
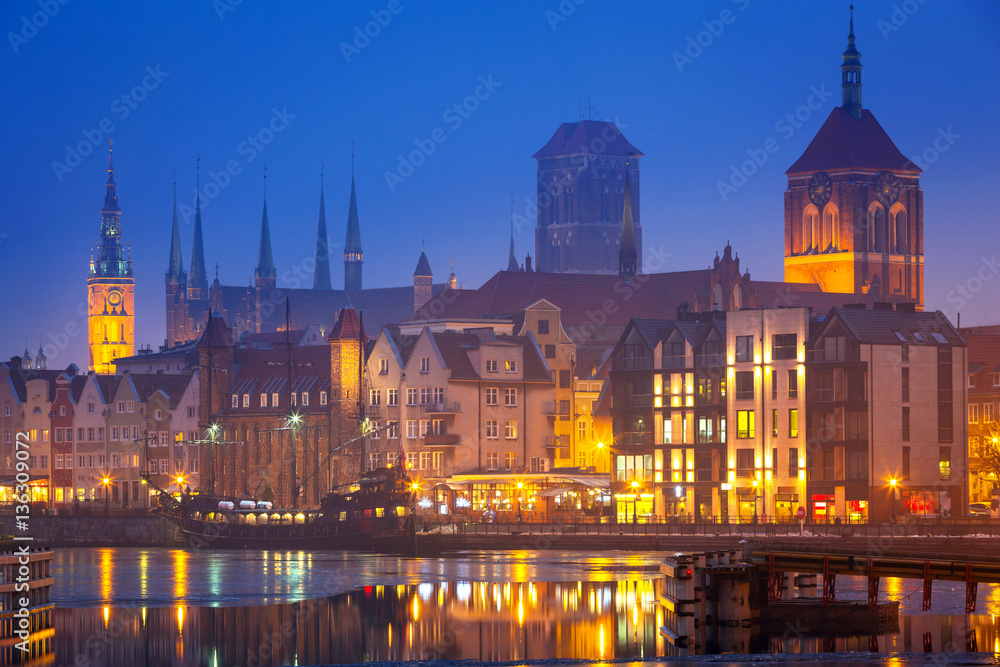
<point x="581" y="198"/>
<point x="110" y="288"/>
<point x="854" y="213"/>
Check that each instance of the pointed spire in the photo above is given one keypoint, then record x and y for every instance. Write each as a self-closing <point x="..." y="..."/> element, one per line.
<point x="321" y="277"/>
<point x="851" y="75"/>
<point x="626" y="252"/>
<point x="511" y="259"/>
<point x="353" y="256"/>
<point x="198" y="279"/>
<point x="111" y="194"/>
<point x="265" y="257"/>
<point x="175" y="267"/>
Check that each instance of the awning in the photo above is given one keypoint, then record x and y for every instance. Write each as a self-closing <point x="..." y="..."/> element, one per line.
<point x="553" y="492"/>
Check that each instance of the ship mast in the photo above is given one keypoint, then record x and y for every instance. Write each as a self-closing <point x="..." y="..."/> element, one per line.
<point x="291" y="412"/>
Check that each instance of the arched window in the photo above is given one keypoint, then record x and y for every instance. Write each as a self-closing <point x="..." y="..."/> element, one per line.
<point x="831" y="229"/>
<point x="737" y="296"/>
<point x="717" y="299"/>
<point x="876" y="228"/>
<point x="897" y="222"/>
<point x="810" y="225"/>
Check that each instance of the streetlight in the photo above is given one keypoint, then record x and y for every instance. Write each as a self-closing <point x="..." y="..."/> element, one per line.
<point x="892" y="486"/>
<point x="600" y="453"/>
<point x="106" y="481"/>
<point x="520" y="485"/>
<point x="635" y="503"/>
<point x="755" y="483"/>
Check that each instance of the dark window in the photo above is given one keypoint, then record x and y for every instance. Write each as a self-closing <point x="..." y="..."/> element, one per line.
<point x="774" y="461"/>
<point x="857" y="465"/>
<point x="905" y="468"/>
<point x="744" y="348"/>
<point x="906" y="384"/>
<point x="774" y="424"/>
<point x="543" y="326"/>
<point x="744" y="462"/>
<point x="550" y="351"/>
<point x="905" y="353"/>
<point x="564" y="379"/>
<point x="703" y="467"/>
<point x="793" y="383"/>
<point x="711" y="354"/>
<point x="906" y="424"/>
<point x="793" y="462"/>
<point x="945" y="398"/>
<point x="774" y="386"/>
<point x="673" y="355"/>
<point x="744" y="386"/>
<point x="829" y="469"/>
<point x="784" y="346"/>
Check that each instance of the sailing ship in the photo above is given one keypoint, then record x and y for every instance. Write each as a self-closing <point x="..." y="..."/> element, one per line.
<point x="374" y="514"/>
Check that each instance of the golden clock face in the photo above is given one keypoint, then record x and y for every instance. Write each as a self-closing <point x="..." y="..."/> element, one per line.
<point x="820" y="188"/>
<point x="887" y="188"/>
<point x="114" y="298"/>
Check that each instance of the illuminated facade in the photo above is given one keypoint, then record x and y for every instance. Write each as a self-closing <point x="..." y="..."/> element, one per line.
<point x="854" y="210"/>
<point x="110" y="286"/>
<point x="752" y="415"/>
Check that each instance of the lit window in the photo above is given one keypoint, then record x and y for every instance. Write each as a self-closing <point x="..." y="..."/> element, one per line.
<point x="246" y="400"/>
<point x="305" y="399"/>
<point x="510" y="429"/>
<point x="322" y="398"/>
<point x="274" y="400"/>
<point x="510" y="366"/>
<point x="383" y="366"/>
<point x="263" y="400"/>
<point x="745" y="424"/>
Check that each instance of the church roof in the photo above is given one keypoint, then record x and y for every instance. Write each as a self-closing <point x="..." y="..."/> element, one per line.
<point x="216" y="333"/>
<point x="845" y="143"/>
<point x="423" y="266"/>
<point x="581" y="138"/>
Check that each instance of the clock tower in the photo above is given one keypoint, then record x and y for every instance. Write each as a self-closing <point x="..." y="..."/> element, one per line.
<point x="110" y="286"/>
<point x="854" y="210"/>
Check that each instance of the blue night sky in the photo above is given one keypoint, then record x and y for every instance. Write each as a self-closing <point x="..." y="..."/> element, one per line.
<point x="204" y="77"/>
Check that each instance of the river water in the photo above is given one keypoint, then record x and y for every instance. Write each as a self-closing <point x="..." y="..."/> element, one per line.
<point x="133" y="606"/>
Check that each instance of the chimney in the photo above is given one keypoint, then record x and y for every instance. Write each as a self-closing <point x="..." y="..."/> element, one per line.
<point x="883" y="306"/>
<point x="682" y="310"/>
<point x="527" y="263"/>
<point x="906" y="307"/>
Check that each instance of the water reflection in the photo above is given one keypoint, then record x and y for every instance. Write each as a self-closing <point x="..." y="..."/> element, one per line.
<point x="453" y="621"/>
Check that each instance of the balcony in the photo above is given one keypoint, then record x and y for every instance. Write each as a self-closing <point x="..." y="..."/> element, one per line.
<point x="446" y="408"/>
<point x="442" y="439"/>
<point x="639" y="401"/>
<point x="556" y="441"/>
<point x="556" y="408"/>
<point x="632" y="364"/>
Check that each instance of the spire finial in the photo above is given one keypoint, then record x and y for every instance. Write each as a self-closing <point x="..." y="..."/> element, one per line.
<point x="851" y="75"/>
<point x="197" y="181"/>
<point x="111" y="149"/>
<point x="216" y="270"/>
<point x="265" y="181"/>
<point x="352" y="156"/>
<point x="321" y="168"/>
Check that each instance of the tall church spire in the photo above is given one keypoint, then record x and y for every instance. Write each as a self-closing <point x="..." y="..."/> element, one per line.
<point x="198" y="285"/>
<point x="175" y="268"/>
<point x="626" y="252"/>
<point x="511" y="259"/>
<point x="321" y="277"/>
<point x="111" y="261"/>
<point x="265" y="273"/>
<point x="851" y="75"/>
<point x="352" y="246"/>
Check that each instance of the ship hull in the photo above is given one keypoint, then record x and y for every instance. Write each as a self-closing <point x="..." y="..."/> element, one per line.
<point x="322" y="536"/>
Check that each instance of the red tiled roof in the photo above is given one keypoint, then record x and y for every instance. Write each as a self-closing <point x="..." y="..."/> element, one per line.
<point x="587" y="136"/>
<point x="846" y="143"/>
<point x="348" y="326"/>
